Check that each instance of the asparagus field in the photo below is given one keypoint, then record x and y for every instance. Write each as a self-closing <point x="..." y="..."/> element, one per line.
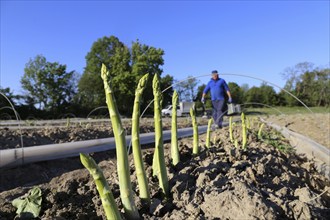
<point x="265" y="181"/>
<point x="245" y="171"/>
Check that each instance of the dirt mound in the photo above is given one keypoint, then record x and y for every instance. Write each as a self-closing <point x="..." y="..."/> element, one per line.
<point x="265" y="181"/>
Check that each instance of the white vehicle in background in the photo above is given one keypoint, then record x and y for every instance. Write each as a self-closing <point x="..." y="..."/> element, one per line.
<point x="182" y="109"/>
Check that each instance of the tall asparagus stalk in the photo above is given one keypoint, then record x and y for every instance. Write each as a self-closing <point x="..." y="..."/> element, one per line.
<point x="243" y="131"/>
<point x="174" y="130"/>
<point x="125" y="186"/>
<point x="137" y="154"/>
<point x="231" y="129"/>
<point x="159" y="168"/>
<point x="260" y="131"/>
<point x="195" y="130"/>
<point x="236" y="143"/>
<point x="208" y="133"/>
<point x="67" y="122"/>
<point x="248" y="124"/>
<point x="107" y="199"/>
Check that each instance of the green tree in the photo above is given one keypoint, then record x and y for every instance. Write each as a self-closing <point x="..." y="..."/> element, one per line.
<point x="323" y="85"/>
<point x="7" y="101"/>
<point x="254" y="95"/>
<point x="23" y="105"/>
<point x="126" y="67"/>
<point x="187" y="89"/>
<point x="200" y="90"/>
<point x="179" y="89"/>
<point x="115" y="55"/>
<point x="264" y="95"/>
<point x="148" y="59"/>
<point x="282" y="98"/>
<point x="292" y="76"/>
<point x="10" y="96"/>
<point x="314" y="87"/>
<point x="309" y="84"/>
<point x="166" y="82"/>
<point x="236" y="92"/>
<point x="208" y="102"/>
<point x="245" y="87"/>
<point x="51" y="86"/>
<point x="269" y="96"/>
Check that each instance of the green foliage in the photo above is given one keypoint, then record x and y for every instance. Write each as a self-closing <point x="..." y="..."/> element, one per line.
<point x="269" y="95"/>
<point x="10" y="96"/>
<point x="260" y="131"/>
<point x="208" y="103"/>
<point x="314" y="88"/>
<point x="237" y="92"/>
<point x="51" y="90"/>
<point x="146" y="59"/>
<point x="200" y="90"/>
<point x="7" y="102"/>
<point x="165" y="82"/>
<point x="187" y="89"/>
<point x="292" y="74"/>
<point x="285" y="100"/>
<point x="116" y="57"/>
<point x="264" y="94"/>
<point x="253" y="95"/>
<point x="276" y="140"/>
<point x="50" y="85"/>
<point x="272" y="137"/>
<point x="126" y="66"/>
<point x="311" y="85"/>
<point x="29" y="206"/>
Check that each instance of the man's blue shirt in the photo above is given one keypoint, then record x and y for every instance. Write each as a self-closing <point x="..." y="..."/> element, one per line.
<point x="218" y="89"/>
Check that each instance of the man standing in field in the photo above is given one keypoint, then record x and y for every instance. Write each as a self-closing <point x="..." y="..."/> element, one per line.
<point x="218" y="88"/>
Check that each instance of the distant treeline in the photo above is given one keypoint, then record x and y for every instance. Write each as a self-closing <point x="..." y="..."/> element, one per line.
<point x="50" y="91"/>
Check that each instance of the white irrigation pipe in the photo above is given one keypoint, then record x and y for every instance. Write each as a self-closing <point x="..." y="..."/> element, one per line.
<point x="50" y="122"/>
<point x="19" y="156"/>
<point x="14" y="157"/>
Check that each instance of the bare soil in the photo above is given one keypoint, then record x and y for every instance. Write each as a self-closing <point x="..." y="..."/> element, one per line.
<point x="315" y="126"/>
<point x="10" y="137"/>
<point x="265" y="181"/>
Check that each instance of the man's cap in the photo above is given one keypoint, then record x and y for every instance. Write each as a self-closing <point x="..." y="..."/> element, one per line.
<point x="214" y="72"/>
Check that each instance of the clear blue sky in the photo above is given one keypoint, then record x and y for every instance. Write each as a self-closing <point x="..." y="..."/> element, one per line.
<point x="255" y="38"/>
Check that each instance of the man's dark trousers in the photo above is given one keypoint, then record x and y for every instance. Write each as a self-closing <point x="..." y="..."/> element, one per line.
<point x="217" y="112"/>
